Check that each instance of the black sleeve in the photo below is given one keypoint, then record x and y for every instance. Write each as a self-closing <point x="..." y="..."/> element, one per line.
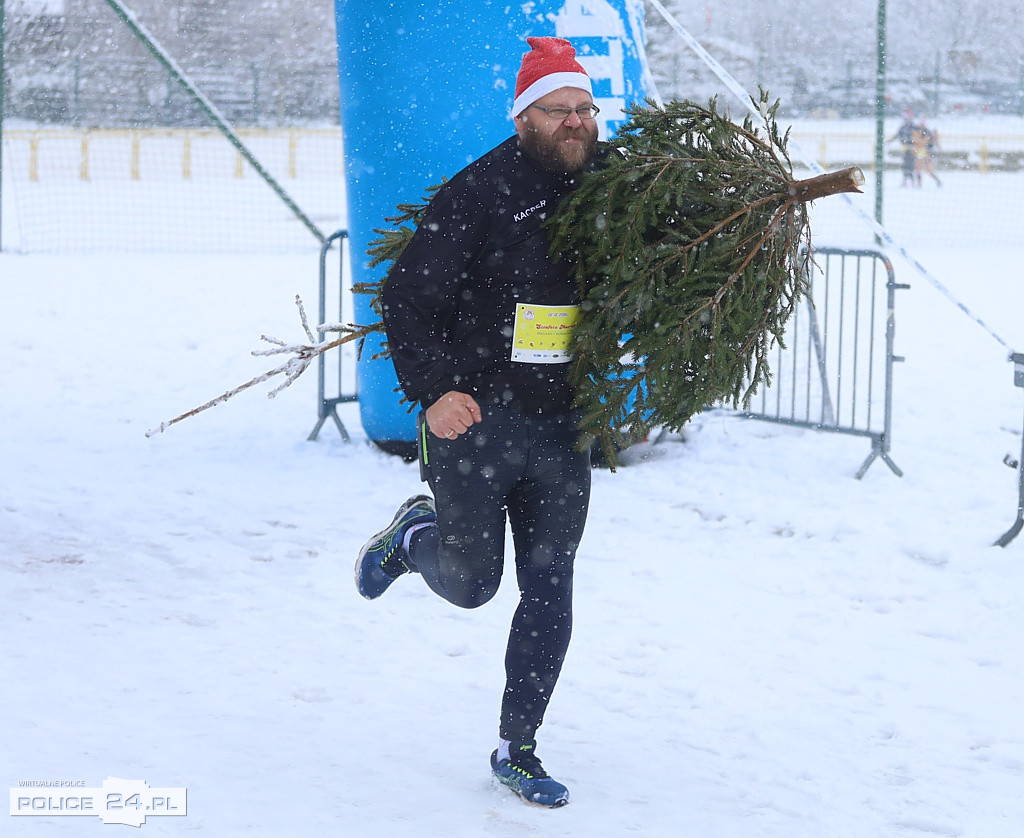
<point x="421" y="295"/>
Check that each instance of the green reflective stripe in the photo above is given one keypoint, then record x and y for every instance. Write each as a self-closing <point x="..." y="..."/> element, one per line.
<point x="423" y="442"/>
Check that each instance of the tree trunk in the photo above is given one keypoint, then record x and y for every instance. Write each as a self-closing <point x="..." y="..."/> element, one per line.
<point x="831" y="183"/>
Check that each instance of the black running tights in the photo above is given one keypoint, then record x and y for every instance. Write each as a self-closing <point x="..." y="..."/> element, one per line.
<point x="525" y="467"/>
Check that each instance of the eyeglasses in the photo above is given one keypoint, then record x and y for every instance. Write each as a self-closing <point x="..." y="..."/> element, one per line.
<point x="561" y="114"/>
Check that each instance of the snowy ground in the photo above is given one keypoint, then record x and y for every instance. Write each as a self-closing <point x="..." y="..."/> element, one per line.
<point x="764" y="646"/>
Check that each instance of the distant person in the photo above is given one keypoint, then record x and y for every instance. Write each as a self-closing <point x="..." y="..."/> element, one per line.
<point x="926" y="143"/>
<point x="908" y="161"/>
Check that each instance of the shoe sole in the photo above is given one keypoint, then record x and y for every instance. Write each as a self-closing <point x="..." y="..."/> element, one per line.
<point x="556" y="805"/>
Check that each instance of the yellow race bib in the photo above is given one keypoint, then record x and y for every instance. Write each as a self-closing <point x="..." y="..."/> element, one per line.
<point x="541" y="334"/>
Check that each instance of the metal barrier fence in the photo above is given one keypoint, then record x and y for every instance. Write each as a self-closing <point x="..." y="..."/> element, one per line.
<point x="835" y="372"/>
<point x="1018" y="524"/>
<point x="341" y="358"/>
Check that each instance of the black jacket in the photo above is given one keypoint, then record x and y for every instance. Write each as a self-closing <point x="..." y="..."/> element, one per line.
<point x="449" y="301"/>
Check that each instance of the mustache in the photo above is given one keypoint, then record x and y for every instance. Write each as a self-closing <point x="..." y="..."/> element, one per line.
<point x="566" y="132"/>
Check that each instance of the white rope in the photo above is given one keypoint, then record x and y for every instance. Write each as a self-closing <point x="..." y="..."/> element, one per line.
<point x="737" y="89"/>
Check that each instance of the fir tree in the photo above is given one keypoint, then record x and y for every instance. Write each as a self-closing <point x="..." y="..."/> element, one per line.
<point x="690" y="251"/>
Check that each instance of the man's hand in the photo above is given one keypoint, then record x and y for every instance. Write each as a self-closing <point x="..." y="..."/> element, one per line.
<point x="452" y="414"/>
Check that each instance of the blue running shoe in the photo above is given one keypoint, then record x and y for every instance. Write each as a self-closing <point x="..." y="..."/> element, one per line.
<point x="382" y="559"/>
<point x="523" y="773"/>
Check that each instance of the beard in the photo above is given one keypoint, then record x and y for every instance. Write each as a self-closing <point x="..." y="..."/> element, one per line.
<point x="552" y="153"/>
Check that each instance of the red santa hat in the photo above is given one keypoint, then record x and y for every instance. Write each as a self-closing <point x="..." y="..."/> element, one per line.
<point x="550" y="65"/>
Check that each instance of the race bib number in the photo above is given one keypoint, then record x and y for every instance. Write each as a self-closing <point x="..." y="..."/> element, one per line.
<point x="541" y="334"/>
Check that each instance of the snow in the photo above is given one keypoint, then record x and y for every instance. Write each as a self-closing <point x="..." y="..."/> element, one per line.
<point x="764" y="646"/>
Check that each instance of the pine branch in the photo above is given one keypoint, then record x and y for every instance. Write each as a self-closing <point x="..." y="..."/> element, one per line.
<point x="303" y="356"/>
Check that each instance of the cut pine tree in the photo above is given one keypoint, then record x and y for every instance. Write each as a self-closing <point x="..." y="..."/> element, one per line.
<point x="690" y="250"/>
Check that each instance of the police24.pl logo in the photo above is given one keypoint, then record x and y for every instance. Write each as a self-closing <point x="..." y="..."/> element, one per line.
<point x="127" y="802"/>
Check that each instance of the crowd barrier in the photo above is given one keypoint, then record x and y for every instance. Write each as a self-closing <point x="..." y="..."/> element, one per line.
<point x="835" y="372"/>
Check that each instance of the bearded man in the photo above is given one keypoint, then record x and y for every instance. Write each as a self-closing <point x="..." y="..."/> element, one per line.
<point x="478" y="317"/>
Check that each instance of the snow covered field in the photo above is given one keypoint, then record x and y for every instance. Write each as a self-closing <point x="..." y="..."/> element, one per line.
<point x="764" y="646"/>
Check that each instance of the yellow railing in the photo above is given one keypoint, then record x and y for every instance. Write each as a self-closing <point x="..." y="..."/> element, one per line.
<point x="971" y="151"/>
<point x="285" y="150"/>
<point x="286" y="147"/>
